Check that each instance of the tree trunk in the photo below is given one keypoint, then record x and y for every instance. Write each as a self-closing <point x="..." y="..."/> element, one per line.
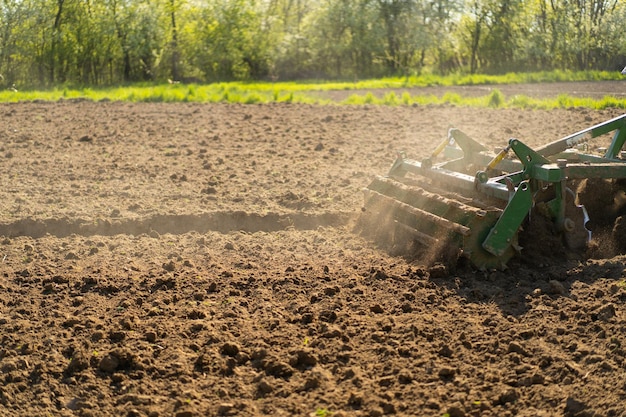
<point x="175" y="54"/>
<point x="56" y="35"/>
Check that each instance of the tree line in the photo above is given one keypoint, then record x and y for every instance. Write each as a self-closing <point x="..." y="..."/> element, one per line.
<point x="102" y="42"/>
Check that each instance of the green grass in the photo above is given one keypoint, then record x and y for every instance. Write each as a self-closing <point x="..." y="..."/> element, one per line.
<point x="313" y="92"/>
<point x="322" y="412"/>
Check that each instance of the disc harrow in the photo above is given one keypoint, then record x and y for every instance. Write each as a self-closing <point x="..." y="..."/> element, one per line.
<point x="446" y="206"/>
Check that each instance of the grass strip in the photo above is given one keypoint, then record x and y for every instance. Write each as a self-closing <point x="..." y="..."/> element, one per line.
<point x="314" y="92"/>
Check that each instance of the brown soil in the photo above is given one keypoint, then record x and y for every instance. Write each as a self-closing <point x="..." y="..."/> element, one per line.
<point x="192" y="260"/>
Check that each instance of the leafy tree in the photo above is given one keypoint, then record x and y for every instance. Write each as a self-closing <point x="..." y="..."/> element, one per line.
<point x="342" y="40"/>
<point x="471" y="32"/>
<point x="493" y="33"/>
<point x="611" y="38"/>
<point x="12" y="12"/>
<point x="503" y="35"/>
<point x="133" y="56"/>
<point x="589" y="17"/>
<point x="230" y="41"/>
<point x="50" y="42"/>
<point x="289" y="37"/>
<point x="440" y="19"/>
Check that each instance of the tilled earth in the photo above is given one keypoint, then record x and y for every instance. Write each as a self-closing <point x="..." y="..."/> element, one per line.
<point x="196" y="260"/>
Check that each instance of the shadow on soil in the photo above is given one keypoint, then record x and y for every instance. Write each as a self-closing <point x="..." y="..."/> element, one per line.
<point x="544" y="268"/>
<point x="222" y="222"/>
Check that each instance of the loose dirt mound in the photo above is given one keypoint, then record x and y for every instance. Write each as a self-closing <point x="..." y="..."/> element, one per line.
<point x="191" y="260"/>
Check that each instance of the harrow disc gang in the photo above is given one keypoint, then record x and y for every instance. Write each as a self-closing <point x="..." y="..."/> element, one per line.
<point x="444" y="225"/>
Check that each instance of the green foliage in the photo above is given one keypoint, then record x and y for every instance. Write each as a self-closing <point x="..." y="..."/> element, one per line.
<point x="323" y="412"/>
<point x="611" y="102"/>
<point x="229" y="42"/>
<point x="452" y="98"/>
<point x="521" y="102"/>
<point x="391" y="99"/>
<point x="311" y="92"/>
<point x="401" y="43"/>
<point x="563" y="101"/>
<point x="253" y="99"/>
<point x="496" y="98"/>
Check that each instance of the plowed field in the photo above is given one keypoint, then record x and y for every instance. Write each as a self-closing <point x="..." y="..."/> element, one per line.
<point x="196" y="260"/>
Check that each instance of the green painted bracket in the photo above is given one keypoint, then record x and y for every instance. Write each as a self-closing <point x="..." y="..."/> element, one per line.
<point x="502" y="233"/>
<point x="527" y="156"/>
<point x="536" y="166"/>
<point x="616" y="144"/>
